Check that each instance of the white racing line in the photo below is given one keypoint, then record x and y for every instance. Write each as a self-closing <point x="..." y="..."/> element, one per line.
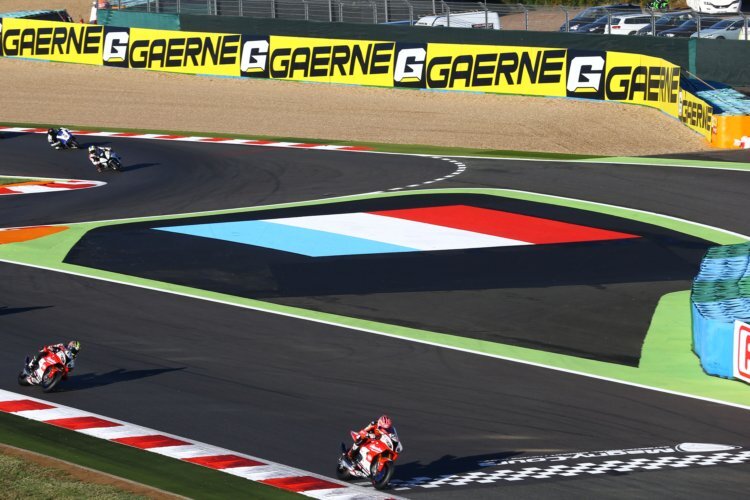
<point x="183" y="449"/>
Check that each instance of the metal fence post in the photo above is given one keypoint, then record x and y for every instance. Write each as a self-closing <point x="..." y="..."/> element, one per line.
<point x="525" y="15"/>
<point x="273" y="9"/>
<point x="609" y="23"/>
<point x="241" y="8"/>
<point x="567" y="18"/>
<point x="178" y="6"/>
<point x="698" y="24"/>
<point x="434" y="10"/>
<point x="307" y="9"/>
<point x="448" y="13"/>
<point x="744" y="19"/>
<point x="385" y="10"/>
<point x="374" y="11"/>
<point x="341" y="11"/>
<point x="486" y="15"/>
<point x="156" y="6"/>
<point x="330" y="11"/>
<point x="411" y="13"/>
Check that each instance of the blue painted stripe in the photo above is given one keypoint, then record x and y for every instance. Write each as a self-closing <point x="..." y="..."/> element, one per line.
<point x="287" y="238"/>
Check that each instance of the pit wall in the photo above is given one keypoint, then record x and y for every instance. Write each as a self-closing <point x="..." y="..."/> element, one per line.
<point x="538" y="71"/>
<point x="720" y="297"/>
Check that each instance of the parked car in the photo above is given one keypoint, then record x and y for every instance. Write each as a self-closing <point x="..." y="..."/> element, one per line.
<point x="716" y="6"/>
<point x="479" y="19"/>
<point x="728" y="29"/>
<point x="594" y="27"/>
<point x="689" y="27"/>
<point x="590" y="15"/>
<point x="628" y="24"/>
<point x="667" y="22"/>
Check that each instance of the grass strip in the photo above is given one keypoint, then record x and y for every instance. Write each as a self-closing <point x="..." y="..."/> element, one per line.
<point x="21" y="478"/>
<point x="143" y="467"/>
<point x="13" y="180"/>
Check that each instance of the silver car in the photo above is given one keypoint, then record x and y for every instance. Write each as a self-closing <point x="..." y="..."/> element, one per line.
<point x="728" y="29"/>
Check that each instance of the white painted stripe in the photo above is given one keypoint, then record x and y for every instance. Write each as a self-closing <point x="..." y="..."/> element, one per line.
<point x="35" y="188"/>
<point x="337" y="493"/>
<point x="121" y="431"/>
<point x="11" y="396"/>
<point x="188" y="451"/>
<point x="51" y="414"/>
<point x="261" y="472"/>
<point x="401" y="232"/>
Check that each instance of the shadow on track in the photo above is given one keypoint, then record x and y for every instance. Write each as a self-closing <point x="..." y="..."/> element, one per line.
<point x="14" y="310"/>
<point x="91" y="380"/>
<point x="449" y="464"/>
<point x="137" y="166"/>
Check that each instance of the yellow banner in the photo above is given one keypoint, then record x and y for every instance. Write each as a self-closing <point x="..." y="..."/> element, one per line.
<point x="356" y="62"/>
<point x="486" y="68"/>
<point x="644" y="80"/>
<point x="696" y="114"/>
<point x="185" y="52"/>
<point x="52" y="41"/>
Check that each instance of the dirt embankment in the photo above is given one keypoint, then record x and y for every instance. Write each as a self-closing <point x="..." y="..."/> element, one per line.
<point x="113" y="97"/>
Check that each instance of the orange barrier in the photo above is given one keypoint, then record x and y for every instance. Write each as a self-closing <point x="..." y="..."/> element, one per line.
<point x="731" y="132"/>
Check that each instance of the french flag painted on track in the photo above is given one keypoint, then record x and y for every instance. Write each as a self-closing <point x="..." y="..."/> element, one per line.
<point x="449" y="227"/>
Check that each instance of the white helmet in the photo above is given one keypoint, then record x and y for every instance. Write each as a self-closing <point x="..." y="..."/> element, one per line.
<point x="92" y="149"/>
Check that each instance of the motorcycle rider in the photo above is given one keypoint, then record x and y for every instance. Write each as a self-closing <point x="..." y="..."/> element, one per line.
<point x="66" y="352"/>
<point x="96" y="156"/>
<point x="373" y="430"/>
<point x="52" y="139"/>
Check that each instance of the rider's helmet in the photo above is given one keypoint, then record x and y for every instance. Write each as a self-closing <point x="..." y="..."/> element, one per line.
<point x="385" y="424"/>
<point x="92" y="149"/>
<point x="73" y="347"/>
<point x="51" y="131"/>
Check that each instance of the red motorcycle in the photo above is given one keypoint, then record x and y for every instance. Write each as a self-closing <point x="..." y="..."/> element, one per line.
<point x="51" y="369"/>
<point x="375" y="459"/>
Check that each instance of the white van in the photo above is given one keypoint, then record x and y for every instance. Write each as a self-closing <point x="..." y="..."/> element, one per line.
<point x="479" y="19"/>
<point x="715" y="6"/>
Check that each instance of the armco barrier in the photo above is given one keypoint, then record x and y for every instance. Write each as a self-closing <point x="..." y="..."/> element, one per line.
<point x="519" y="70"/>
<point x="720" y="295"/>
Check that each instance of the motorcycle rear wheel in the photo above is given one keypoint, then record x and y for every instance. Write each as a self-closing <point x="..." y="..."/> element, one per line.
<point x="50" y="382"/>
<point x="114" y="165"/>
<point x="23" y="380"/>
<point x="381" y="479"/>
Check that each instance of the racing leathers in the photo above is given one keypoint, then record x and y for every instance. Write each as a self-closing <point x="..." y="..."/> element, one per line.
<point x="52" y="139"/>
<point x="371" y="431"/>
<point x="62" y="352"/>
<point x="97" y="158"/>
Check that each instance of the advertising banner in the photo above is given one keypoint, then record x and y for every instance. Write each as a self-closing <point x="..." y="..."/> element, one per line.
<point x="52" y="41"/>
<point x="741" y="352"/>
<point x="487" y="68"/>
<point x="696" y="114"/>
<point x="357" y="62"/>
<point x="552" y="72"/>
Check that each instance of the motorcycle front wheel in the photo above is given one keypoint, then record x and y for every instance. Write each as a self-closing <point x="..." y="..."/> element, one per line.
<point x="74" y="144"/>
<point x="22" y="379"/>
<point x="115" y="165"/>
<point x="381" y="479"/>
<point x="50" y="381"/>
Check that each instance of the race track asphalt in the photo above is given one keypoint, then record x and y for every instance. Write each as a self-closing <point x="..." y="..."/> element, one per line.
<point x="289" y="390"/>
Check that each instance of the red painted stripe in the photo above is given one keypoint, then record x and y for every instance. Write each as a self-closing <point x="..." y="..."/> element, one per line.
<point x="147" y="442"/>
<point x="259" y="142"/>
<point x="171" y="137"/>
<point x="223" y="461"/>
<point x="37" y="130"/>
<point x="4" y="190"/>
<point x="126" y="134"/>
<point x="355" y="148"/>
<point x="77" y="423"/>
<point x="301" y="483"/>
<point x="214" y="139"/>
<point x="23" y="405"/>
<point x="84" y="132"/>
<point x="307" y="145"/>
<point x="505" y="224"/>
